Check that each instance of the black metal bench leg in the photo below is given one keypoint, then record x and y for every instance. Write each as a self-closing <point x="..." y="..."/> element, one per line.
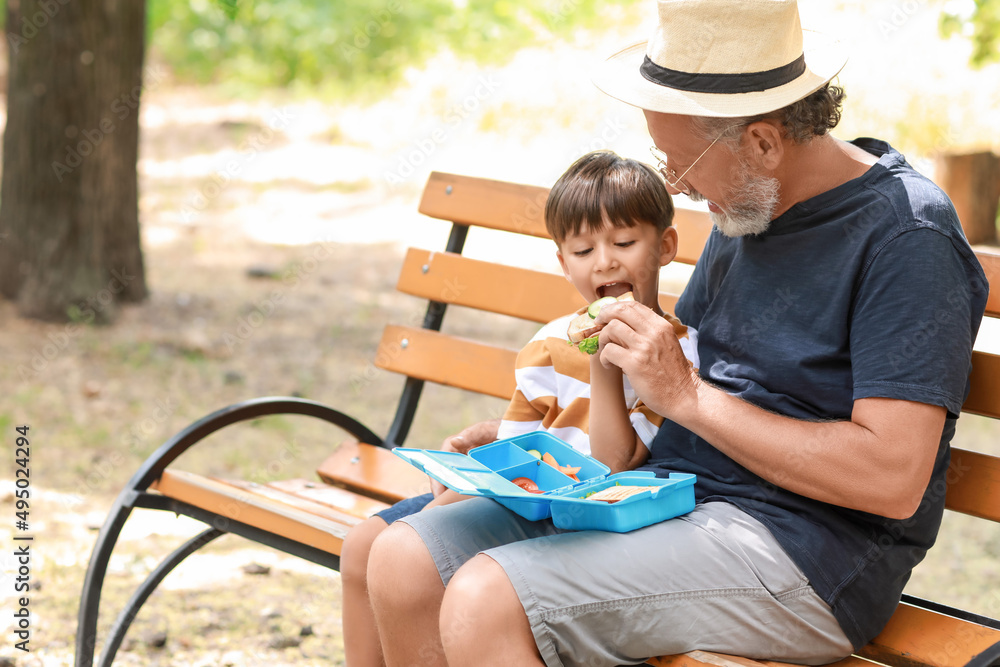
<point x="90" y="597"/>
<point x="151" y="469"/>
<point x="131" y="610"/>
<point x="988" y="658"/>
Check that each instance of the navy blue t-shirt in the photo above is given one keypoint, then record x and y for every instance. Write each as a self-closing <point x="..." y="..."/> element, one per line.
<point x="867" y="290"/>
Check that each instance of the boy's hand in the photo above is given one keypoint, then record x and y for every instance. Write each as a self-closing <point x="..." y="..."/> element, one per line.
<point x="478" y="434"/>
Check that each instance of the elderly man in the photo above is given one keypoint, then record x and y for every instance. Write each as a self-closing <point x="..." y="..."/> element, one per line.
<point x="837" y="303"/>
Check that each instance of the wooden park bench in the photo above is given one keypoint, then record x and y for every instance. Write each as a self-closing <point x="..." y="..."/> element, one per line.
<point x="310" y="518"/>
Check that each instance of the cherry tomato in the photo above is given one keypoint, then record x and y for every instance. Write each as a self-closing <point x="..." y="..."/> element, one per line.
<point x="527" y="484"/>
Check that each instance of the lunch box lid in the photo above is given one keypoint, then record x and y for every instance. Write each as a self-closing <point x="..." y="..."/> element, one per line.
<point x="478" y="473"/>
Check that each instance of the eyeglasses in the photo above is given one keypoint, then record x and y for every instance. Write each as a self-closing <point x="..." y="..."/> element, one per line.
<point x="670" y="176"/>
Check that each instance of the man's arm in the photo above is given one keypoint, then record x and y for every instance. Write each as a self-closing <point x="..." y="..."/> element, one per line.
<point x="879" y="461"/>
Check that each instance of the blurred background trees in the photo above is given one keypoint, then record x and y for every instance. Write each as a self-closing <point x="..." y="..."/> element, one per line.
<point x="358" y="49"/>
<point x="979" y="21"/>
<point x="353" y="48"/>
<point x="74" y="66"/>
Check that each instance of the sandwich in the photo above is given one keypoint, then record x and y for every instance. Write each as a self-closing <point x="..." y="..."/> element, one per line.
<point x="583" y="329"/>
<point x="613" y="494"/>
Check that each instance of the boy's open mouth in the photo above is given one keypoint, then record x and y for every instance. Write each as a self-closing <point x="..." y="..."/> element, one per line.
<point x="613" y="289"/>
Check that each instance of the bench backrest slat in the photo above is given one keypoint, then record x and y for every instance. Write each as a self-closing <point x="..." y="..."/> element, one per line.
<point x="485" y="203"/>
<point x="974" y="484"/>
<point x="496" y="288"/>
<point x="984" y="391"/>
<point x="527" y="294"/>
<point x="448" y="360"/>
<point x="991" y="266"/>
<point x="693" y="229"/>
<point x="520" y="209"/>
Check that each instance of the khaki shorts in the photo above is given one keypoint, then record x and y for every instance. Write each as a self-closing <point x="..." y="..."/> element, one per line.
<point x="713" y="579"/>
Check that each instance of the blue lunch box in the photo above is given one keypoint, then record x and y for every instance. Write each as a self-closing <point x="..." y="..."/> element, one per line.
<point x="487" y="471"/>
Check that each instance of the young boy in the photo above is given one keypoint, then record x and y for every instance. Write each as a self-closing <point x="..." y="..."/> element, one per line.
<point x="611" y="220"/>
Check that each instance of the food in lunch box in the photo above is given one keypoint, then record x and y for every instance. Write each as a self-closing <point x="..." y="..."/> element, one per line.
<point x="526" y="484"/>
<point x="583" y="330"/>
<point x="613" y="494"/>
<point x="569" y="471"/>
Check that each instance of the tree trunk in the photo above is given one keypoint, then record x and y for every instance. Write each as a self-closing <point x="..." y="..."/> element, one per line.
<point x="973" y="182"/>
<point x="69" y="215"/>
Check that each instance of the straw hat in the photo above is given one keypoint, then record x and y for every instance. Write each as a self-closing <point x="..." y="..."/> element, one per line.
<point x="722" y="58"/>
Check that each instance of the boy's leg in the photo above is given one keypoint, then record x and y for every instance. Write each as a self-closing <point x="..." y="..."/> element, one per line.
<point x="407" y="588"/>
<point x="406" y="594"/>
<point x="361" y="642"/>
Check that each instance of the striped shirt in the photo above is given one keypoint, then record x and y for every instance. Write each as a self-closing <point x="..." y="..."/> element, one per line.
<point x="553" y="388"/>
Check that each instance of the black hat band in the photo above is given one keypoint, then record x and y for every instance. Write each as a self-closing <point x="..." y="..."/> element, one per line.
<point x="751" y="82"/>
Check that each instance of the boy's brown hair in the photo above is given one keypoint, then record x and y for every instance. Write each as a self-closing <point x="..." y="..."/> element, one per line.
<point x="605" y="186"/>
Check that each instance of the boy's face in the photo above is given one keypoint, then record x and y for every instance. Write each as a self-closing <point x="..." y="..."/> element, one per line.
<point x="610" y="261"/>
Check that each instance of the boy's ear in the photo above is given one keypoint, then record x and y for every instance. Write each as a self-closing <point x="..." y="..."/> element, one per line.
<point x="562" y="264"/>
<point x="668" y="246"/>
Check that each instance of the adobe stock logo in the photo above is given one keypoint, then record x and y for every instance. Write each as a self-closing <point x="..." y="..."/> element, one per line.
<point x="30" y="26"/>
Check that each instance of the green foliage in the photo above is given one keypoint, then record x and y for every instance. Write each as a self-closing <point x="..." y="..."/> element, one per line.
<point x="982" y="26"/>
<point x="352" y="47"/>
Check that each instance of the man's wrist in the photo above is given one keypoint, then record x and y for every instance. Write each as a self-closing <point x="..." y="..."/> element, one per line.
<point x="689" y="402"/>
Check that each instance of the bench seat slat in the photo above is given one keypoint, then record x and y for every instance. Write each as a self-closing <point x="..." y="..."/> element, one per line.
<point x="916" y="636"/>
<point x="332" y="496"/>
<point x="447" y="360"/>
<point x="322" y="530"/>
<point x="913" y="636"/>
<point x="291" y="493"/>
<point x="974" y="484"/>
<point x="372" y="470"/>
<point x="707" y="659"/>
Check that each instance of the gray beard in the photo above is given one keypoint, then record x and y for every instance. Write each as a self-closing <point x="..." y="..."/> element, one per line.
<point x="751" y="206"/>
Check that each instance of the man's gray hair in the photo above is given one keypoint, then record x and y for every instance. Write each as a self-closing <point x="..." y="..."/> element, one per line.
<point x="812" y="116"/>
